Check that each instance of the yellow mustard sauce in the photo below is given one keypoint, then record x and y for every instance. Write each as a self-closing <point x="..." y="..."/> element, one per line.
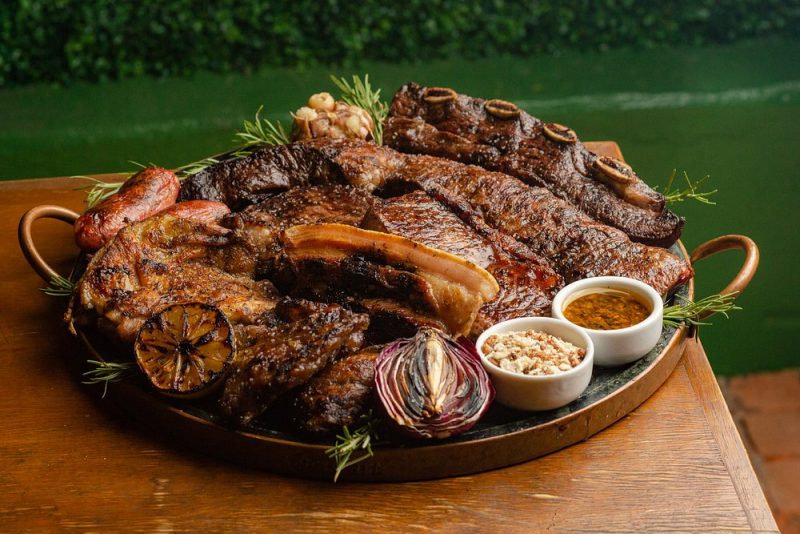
<point x="607" y="309"/>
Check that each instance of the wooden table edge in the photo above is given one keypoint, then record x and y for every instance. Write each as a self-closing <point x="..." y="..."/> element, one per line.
<point x="732" y="450"/>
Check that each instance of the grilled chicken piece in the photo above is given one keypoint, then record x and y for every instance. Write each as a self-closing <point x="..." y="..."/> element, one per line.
<point x="334" y="260"/>
<point x="525" y="287"/>
<point x="239" y="183"/>
<point x="339" y="395"/>
<point x="281" y="357"/>
<point x="500" y="137"/>
<point x="255" y="249"/>
<point x="161" y="261"/>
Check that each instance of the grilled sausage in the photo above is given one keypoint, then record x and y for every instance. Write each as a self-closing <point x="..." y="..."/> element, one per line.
<point x="142" y="195"/>
<point x="203" y="211"/>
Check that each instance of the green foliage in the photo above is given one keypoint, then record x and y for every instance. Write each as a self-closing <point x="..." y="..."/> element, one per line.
<point x="67" y="40"/>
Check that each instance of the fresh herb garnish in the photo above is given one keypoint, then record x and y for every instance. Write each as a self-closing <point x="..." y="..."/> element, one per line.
<point x="690" y="312"/>
<point x="99" y="190"/>
<point x="58" y="287"/>
<point x="361" y="94"/>
<point x="691" y="192"/>
<point x="105" y="372"/>
<point x="348" y="443"/>
<point x="260" y="132"/>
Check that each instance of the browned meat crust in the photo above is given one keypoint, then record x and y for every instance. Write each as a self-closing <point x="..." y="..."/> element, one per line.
<point x="439" y="122"/>
<point x="572" y="242"/>
<point x="239" y="183"/>
<point x="339" y="395"/>
<point x="279" y="358"/>
<point x="254" y="248"/>
<point x="525" y="287"/>
<point x="576" y="246"/>
<point x="159" y="262"/>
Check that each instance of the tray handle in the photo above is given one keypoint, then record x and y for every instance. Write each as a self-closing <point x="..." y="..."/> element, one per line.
<point x="728" y="242"/>
<point x="26" y="237"/>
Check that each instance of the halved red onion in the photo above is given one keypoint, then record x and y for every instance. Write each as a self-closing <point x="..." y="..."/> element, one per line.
<point x="432" y="386"/>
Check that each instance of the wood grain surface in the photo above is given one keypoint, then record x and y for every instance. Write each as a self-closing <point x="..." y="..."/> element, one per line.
<point x="73" y="461"/>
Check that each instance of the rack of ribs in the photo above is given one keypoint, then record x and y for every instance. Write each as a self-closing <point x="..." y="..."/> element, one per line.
<point x="498" y="136"/>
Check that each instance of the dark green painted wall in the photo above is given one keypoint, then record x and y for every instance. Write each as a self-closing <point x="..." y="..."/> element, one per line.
<point x="732" y="112"/>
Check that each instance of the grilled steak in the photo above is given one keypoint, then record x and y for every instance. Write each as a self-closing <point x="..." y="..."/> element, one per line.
<point x="572" y="242"/>
<point x="338" y="395"/>
<point x="279" y="358"/>
<point x="525" y="287"/>
<point x="575" y="245"/>
<point x="241" y="182"/>
<point x="254" y="248"/>
<point x="500" y="137"/>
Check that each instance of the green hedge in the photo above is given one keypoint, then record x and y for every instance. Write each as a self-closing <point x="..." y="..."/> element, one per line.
<point x="67" y="40"/>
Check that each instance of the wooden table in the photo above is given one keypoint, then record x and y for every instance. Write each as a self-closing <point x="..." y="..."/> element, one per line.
<point x="70" y="460"/>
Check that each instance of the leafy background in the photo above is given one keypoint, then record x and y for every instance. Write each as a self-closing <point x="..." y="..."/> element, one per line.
<point x="68" y="40"/>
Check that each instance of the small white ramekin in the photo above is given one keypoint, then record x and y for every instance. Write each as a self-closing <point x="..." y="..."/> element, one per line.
<point x="625" y="345"/>
<point x="534" y="393"/>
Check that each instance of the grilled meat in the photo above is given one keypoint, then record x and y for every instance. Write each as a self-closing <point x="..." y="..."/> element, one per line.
<point x="161" y="261"/>
<point x="278" y="358"/>
<point x="334" y="262"/>
<point x="575" y="245"/>
<point x="254" y="248"/>
<point x="338" y="395"/>
<point x="239" y="183"/>
<point x="146" y="193"/>
<point x="500" y="137"/>
<point x="525" y="287"/>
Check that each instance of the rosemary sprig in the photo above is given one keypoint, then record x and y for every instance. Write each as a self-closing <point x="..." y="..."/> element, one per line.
<point x="361" y="94"/>
<point x="688" y="312"/>
<point x="190" y="169"/>
<point x="58" y="287"/>
<point x="261" y="132"/>
<point x="349" y="442"/>
<point x="105" y="372"/>
<point x="691" y="192"/>
<point x="98" y="190"/>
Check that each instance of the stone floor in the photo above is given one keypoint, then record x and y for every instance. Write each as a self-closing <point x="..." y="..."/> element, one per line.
<point x="766" y="408"/>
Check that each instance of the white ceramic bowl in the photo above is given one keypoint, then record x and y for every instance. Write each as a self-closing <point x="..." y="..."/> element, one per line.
<point x="625" y="345"/>
<point x="547" y="392"/>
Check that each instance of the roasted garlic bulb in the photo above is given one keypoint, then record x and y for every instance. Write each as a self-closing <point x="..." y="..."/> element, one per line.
<point x="325" y="117"/>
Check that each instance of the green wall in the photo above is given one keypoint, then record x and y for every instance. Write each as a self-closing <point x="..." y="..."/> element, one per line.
<point x="728" y="111"/>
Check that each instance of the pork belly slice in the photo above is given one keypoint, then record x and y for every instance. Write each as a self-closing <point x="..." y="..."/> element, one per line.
<point x="335" y="262"/>
<point x="254" y="248"/>
<point x="267" y="172"/>
<point x="158" y="262"/>
<point x="339" y="395"/>
<point x="500" y="137"/>
<point x="276" y="358"/>
<point x="526" y="287"/>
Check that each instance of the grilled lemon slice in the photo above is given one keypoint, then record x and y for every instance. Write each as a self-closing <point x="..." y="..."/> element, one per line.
<point x="185" y="349"/>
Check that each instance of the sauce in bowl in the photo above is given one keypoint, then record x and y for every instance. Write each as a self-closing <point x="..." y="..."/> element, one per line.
<point x="606" y="309"/>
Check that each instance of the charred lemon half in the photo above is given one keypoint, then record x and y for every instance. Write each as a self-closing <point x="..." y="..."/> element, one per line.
<point x="185" y="349"/>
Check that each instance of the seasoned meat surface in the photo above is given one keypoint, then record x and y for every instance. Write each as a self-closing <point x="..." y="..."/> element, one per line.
<point x="526" y="288"/>
<point x="500" y="137"/>
<point x="286" y="355"/>
<point x="254" y="247"/>
<point x="339" y="395"/>
<point x="158" y="262"/>
<point x="266" y="172"/>
<point x="575" y="245"/>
